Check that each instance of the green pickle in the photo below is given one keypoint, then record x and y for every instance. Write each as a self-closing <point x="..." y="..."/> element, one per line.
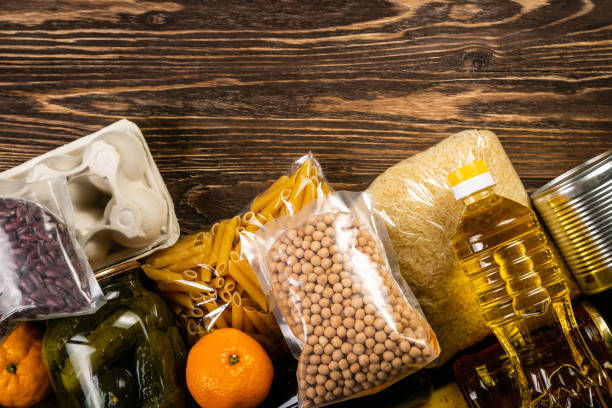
<point x="128" y="354"/>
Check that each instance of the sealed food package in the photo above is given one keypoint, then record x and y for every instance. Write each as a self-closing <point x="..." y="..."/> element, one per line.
<point x="206" y="280"/>
<point x="44" y="272"/>
<point x="422" y="216"/>
<point x="348" y="316"/>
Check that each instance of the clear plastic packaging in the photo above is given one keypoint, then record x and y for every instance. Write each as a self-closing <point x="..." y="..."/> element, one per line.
<point x="44" y="272"/>
<point x="422" y="216"/>
<point x="210" y="285"/>
<point x="346" y="313"/>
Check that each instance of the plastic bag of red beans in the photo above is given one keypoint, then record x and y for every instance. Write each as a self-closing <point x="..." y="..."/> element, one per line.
<point x="347" y="314"/>
<point x="43" y="270"/>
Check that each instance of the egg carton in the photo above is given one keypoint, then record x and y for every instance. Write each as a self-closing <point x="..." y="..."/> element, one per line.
<point x="123" y="210"/>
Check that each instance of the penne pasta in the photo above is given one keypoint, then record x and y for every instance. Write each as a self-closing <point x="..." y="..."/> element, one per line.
<point x="306" y="169"/>
<point x="252" y="289"/>
<point x="183" y="286"/>
<point x="192" y="334"/>
<point x="256" y="223"/>
<point x="160" y="274"/>
<point x="251" y="314"/>
<point x="270" y="322"/>
<point x="175" y="256"/>
<point x="230" y="284"/>
<point x="299" y="200"/>
<point x="197" y="298"/>
<point x="218" y="237"/>
<point x="181" y="245"/>
<point x="189" y="263"/>
<point x="225" y="296"/>
<point x="228" y="233"/>
<point x="247" y="324"/>
<point x="221" y="269"/>
<point x="270" y="194"/>
<point x="248" y="218"/>
<point x="207" y="246"/>
<point x="309" y="194"/>
<point x="246" y="269"/>
<point x="205" y="273"/>
<point x="237" y="312"/>
<point x="227" y="315"/>
<point x="196" y="313"/>
<point x="218" y="282"/>
<point x="180" y="298"/>
<point x="275" y="205"/>
<point x="235" y="256"/>
<point x="190" y="275"/>
<point x="294" y="200"/>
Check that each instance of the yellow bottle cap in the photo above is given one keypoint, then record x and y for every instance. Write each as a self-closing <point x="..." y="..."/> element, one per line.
<point x="467" y="172"/>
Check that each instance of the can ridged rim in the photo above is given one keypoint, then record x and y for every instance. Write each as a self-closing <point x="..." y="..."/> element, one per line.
<point x="597" y="261"/>
<point x="596" y="197"/>
<point x="587" y="226"/>
<point x="588" y="252"/>
<point x="567" y="217"/>
<point x="590" y="237"/>
<point x="573" y="175"/>
<point x="599" y="322"/>
<point x="116" y="270"/>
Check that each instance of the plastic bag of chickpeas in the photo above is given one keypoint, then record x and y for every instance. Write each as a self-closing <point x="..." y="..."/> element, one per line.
<point x="334" y="285"/>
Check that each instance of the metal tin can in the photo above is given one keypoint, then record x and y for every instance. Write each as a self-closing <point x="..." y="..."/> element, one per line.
<point x="577" y="209"/>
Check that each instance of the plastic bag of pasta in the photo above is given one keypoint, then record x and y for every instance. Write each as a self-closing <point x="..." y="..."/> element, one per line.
<point x="346" y="313"/>
<point x="207" y="281"/>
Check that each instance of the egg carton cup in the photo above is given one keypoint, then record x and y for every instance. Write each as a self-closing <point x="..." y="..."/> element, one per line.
<point x="123" y="210"/>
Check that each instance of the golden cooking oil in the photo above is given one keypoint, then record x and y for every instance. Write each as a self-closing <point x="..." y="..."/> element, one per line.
<point x="504" y="252"/>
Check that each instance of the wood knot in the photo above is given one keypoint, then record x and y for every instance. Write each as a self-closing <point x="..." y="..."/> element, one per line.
<point x="476" y="60"/>
<point x="156" y="18"/>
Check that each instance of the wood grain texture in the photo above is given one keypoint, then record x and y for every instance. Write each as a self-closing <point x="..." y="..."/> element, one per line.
<point x="229" y="92"/>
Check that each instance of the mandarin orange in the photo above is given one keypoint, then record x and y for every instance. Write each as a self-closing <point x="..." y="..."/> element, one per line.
<point x="228" y="369"/>
<point x="24" y="380"/>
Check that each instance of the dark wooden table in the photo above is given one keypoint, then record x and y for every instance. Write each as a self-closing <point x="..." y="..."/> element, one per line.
<point x="229" y="92"/>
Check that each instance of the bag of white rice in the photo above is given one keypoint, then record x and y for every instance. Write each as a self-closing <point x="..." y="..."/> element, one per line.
<point x="422" y="216"/>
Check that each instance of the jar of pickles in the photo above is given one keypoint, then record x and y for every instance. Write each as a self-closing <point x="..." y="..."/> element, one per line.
<point x="128" y="354"/>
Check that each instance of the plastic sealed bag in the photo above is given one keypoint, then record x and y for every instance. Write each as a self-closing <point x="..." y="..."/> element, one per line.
<point x="44" y="271"/>
<point x="348" y="316"/>
<point x="210" y="285"/>
<point x="422" y="216"/>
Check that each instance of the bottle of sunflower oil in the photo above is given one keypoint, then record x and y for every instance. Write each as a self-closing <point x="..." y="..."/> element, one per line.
<point x="503" y="251"/>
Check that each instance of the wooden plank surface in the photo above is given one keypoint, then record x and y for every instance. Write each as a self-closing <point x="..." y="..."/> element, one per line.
<point x="229" y="92"/>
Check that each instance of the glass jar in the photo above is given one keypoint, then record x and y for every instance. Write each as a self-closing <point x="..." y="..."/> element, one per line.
<point x="128" y="354"/>
<point x="487" y="378"/>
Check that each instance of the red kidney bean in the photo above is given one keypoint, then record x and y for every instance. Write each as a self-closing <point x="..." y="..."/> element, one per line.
<point x="37" y="255"/>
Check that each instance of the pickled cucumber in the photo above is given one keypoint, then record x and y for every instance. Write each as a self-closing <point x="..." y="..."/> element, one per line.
<point x="106" y="342"/>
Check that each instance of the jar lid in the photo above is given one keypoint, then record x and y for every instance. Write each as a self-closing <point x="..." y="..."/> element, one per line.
<point x="116" y="270"/>
<point x="599" y="322"/>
